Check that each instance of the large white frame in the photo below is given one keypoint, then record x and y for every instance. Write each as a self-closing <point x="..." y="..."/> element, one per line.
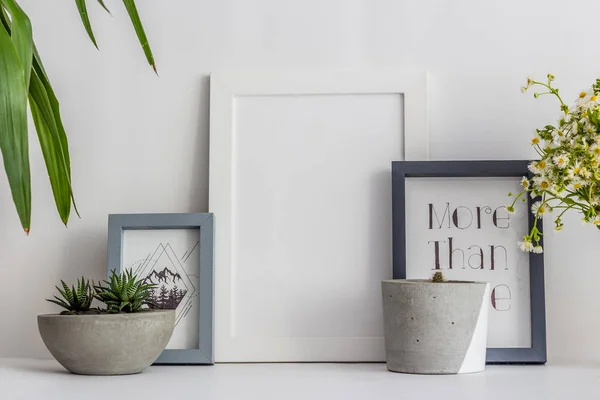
<point x="225" y="87"/>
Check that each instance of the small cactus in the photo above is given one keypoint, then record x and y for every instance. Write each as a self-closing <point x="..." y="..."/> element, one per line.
<point x="437" y="277"/>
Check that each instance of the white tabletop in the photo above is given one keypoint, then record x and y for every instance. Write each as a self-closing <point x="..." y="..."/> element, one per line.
<point x="45" y="379"/>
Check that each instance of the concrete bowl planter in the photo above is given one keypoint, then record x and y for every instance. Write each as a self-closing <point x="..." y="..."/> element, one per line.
<point x="107" y="344"/>
<point x="435" y="328"/>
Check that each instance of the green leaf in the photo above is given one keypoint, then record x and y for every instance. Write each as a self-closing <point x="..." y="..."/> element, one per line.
<point x="68" y="294"/>
<point x="4" y="18"/>
<point x="76" y="305"/>
<point x="139" y="30"/>
<point x="22" y="36"/>
<point x="62" y="293"/>
<point x="109" y="295"/>
<point x="60" y="303"/>
<point x="47" y="132"/>
<point x="13" y="128"/>
<point x="104" y="6"/>
<point x="83" y="13"/>
<point x="62" y="144"/>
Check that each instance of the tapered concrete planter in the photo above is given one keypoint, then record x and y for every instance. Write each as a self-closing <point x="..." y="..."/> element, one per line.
<point x="435" y="328"/>
<point x="107" y="344"/>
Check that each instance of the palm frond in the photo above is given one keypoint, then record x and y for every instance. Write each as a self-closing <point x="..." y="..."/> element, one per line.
<point x="140" y="32"/>
<point x="104" y="6"/>
<point x="85" y="19"/>
<point x="14" y="143"/>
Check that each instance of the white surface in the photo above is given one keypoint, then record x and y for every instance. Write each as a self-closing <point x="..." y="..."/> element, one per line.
<point x="300" y="187"/>
<point x="510" y="319"/>
<point x="140" y="143"/>
<point x="476" y="353"/>
<point x="32" y="380"/>
<point x="176" y="254"/>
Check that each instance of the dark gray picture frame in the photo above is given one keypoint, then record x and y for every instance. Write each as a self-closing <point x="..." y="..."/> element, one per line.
<point x="401" y="170"/>
<point x="117" y="223"/>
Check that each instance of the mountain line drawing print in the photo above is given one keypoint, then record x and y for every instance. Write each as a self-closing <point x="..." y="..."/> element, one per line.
<point x="176" y="288"/>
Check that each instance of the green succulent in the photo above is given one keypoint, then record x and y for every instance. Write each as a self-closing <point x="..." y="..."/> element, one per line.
<point x="75" y="299"/>
<point x="437" y="277"/>
<point x="124" y="293"/>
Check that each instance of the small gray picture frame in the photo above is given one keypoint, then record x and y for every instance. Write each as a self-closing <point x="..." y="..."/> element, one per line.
<point x="536" y="354"/>
<point x="117" y="223"/>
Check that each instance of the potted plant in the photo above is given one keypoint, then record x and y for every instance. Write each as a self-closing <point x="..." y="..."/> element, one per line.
<point x="435" y="326"/>
<point x="124" y="337"/>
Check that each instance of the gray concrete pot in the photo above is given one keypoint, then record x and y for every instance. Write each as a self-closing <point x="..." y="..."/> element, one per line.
<point x="107" y="344"/>
<point x="435" y="328"/>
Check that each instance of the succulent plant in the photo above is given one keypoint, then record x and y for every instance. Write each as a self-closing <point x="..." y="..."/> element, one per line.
<point x="437" y="277"/>
<point x="124" y="293"/>
<point x="75" y="299"/>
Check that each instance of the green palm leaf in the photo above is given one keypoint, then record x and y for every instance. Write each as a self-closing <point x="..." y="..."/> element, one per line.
<point x="83" y="13"/>
<point x="139" y="31"/>
<point x="59" y="136"/>
<point x="104" y="6"/>
<point x="47" y="131"/>
<point x="21" y="35"/>
<point x="50" y="130"/>
<point x="13" y="127"/>
<point x="22" y="71"/>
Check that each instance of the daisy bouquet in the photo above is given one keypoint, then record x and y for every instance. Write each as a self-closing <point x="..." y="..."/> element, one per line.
<point x="567" y="175"/>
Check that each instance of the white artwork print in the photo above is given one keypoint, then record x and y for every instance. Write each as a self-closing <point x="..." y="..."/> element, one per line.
<point x="169" y="258"/>
<point x="461" y="227"/>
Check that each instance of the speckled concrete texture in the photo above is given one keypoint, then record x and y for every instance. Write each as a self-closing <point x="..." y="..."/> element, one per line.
<point x="429" y="326"/>
<point x="107" y="344"/>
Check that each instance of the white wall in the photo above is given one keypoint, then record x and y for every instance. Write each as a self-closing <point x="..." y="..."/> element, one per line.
<point x="140" y="143"/>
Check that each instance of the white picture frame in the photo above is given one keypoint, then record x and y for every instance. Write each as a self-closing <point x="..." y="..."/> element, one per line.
<point x="255" y="321"/>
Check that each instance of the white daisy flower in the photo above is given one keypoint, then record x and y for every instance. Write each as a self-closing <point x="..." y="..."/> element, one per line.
<point x="534" y="168"/>
<point x="526" y="246"/>
<point x="529" y="83"/>
<point x="541" y="182"/>
<point x="596" y="220"/>
<point x="587" y="125"/>
<point x="576" y="184"/>
<point x="561" y="161"/>
<point x="586" y="96"/>
<point x="525" y="182"/>
<point x="574" y="170"/>
<point x="535" y="140"/>
<point x="595" y="149"/>
<point x="557" y="139"/>
<point x="539" y="209"/>
<point x="537" y="250"/>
